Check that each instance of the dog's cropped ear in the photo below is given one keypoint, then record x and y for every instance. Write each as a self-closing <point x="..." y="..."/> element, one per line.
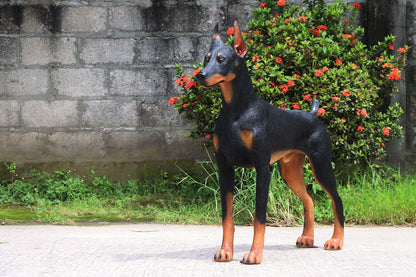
<point x="239" y="44"/>
<point x="216" y="32"/>
<point x="216" y="39"/>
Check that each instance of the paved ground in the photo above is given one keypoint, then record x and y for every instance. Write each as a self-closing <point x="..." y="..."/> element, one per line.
<point x="178" y="250"/>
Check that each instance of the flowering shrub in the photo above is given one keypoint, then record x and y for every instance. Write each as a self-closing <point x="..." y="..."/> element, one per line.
<point x="297" y="54"/>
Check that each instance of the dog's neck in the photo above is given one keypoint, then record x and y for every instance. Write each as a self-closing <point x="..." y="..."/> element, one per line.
<point x="238" y="93"/>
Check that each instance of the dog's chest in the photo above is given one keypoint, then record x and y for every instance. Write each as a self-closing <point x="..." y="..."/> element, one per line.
<point x="233" y="138"/>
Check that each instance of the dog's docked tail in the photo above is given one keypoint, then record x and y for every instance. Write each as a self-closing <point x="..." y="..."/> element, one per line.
<point x="314" y="106"/>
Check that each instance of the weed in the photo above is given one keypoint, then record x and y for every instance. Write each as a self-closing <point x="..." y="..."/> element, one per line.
<point x="374" y="195"/>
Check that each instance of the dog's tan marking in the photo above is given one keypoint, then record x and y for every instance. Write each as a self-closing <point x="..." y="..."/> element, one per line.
<point x="337" y="240"/>
<point x="219" y="54"/>
<point x="236" y="64"/>
<point x="291" y="168"/>
<point x="215" y="141"/>
<point x="256" y="253"/>
<point x="227" y="89"/>
<point x="216" y="36"/>
<point x="215" y="79"/>
<point x="225" y="254"/>
<point x="247" y="138"/>
<point x="286" y="156"/>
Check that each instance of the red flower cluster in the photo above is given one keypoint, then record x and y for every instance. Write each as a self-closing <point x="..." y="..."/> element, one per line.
<point x="302" y="18"/>
<point x="281" y="2"/>
<point x="391" y="47"/>
<point x="346" y="93"/>
<point x="196" y="72"/>
<point x="190" y="85"/>
<point x="251" y="32"/>
<point x="356" y="5"/>
<point x="401" y="50"/>
<point x="321" y="111"/>
<point x="338" y="62"/>
<point x="296" y="106"/>
<point x="394" y="75"/>
<point x="181" y="81"/>
<point x="386" y="131"/>
<point x="262" y="5"/>
<point x="284" y="88"/>
<point x="350" y="37"/>
<point x="362" y="112"/>
<point x="307" y="97"/>
<point x="173" y="100"/>
<point x="322" y="28"/>
<point x="230" y="31"/>
<point x="317" y="32"/>
<point x="321" y="72"/>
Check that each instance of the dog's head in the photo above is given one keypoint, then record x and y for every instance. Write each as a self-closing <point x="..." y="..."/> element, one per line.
<point x="222" y="60"/>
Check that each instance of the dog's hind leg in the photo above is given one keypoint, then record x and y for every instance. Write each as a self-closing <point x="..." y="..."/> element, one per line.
<point x="325" y="177"/>
<point x="291" y="169"/>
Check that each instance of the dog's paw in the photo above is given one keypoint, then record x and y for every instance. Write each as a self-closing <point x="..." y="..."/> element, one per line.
<point x="334" y="244"/>
<point x="252" y="257"/>
<point x="223" y="255"/>
<point x="304" y="242"/>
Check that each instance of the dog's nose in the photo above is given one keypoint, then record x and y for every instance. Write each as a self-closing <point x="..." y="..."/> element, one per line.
<point x="201" y="76"/>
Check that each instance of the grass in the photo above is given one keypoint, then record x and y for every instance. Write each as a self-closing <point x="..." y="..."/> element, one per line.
<point x="376" y="195"/>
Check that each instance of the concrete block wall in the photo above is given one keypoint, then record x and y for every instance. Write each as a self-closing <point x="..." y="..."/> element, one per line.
<point x="87" y="81"/>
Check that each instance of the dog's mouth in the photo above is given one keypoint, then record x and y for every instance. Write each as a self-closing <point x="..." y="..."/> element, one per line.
<point x="205" y="85"/>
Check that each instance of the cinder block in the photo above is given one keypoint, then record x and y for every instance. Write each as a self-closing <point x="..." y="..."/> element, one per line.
<point x="9" y="50"/>
<point x="202" y="48"/>
<point x="141" y="145"/>
<point x="212" y="13"/>
<point x="45" y="114"/>
<point x="162" y="49"/>
<point x="18" y="82"/>
<point x="179" y="146"/>
<point x="140" y="82"/>
<point x="126" y="18"/>
<point x="22" y="147"/>
<point x="109" y="114"/>
<point x="37" y="50"/>
<point x="154" y="49"/>
<point x="31" y="20"/>
<point x="183" y="18"/>
<point x="240" y="12"/>
<point x="183" y="49"/>
<point x="78" y="82"/>
<point x="76" y="146"/>
<point x="9" y="111"/>
<point x="108" y="51"/>
<point x="84" y="19"/>
<point x="9" y="18"/>
<point x="156" y="113"/>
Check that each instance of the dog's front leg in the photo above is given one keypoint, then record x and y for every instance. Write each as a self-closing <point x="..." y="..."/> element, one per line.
<point x="262" y="189"/>
<point x="226" y="179"/>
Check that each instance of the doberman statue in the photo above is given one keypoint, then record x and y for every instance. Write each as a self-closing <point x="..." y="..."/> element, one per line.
<point x="252" y="133"/>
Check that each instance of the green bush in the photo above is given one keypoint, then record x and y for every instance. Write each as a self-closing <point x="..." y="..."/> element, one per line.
<point x="300" y="53"/>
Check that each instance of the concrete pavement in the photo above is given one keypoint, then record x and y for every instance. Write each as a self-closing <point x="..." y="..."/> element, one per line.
<point x="188" y="250"/>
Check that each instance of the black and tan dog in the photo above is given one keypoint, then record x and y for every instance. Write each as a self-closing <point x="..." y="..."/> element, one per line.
<point x="252" y="133"/>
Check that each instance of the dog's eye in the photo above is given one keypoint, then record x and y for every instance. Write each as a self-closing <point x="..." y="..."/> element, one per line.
<point x="206" y="60"/>
<point x="220" y="59"/>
